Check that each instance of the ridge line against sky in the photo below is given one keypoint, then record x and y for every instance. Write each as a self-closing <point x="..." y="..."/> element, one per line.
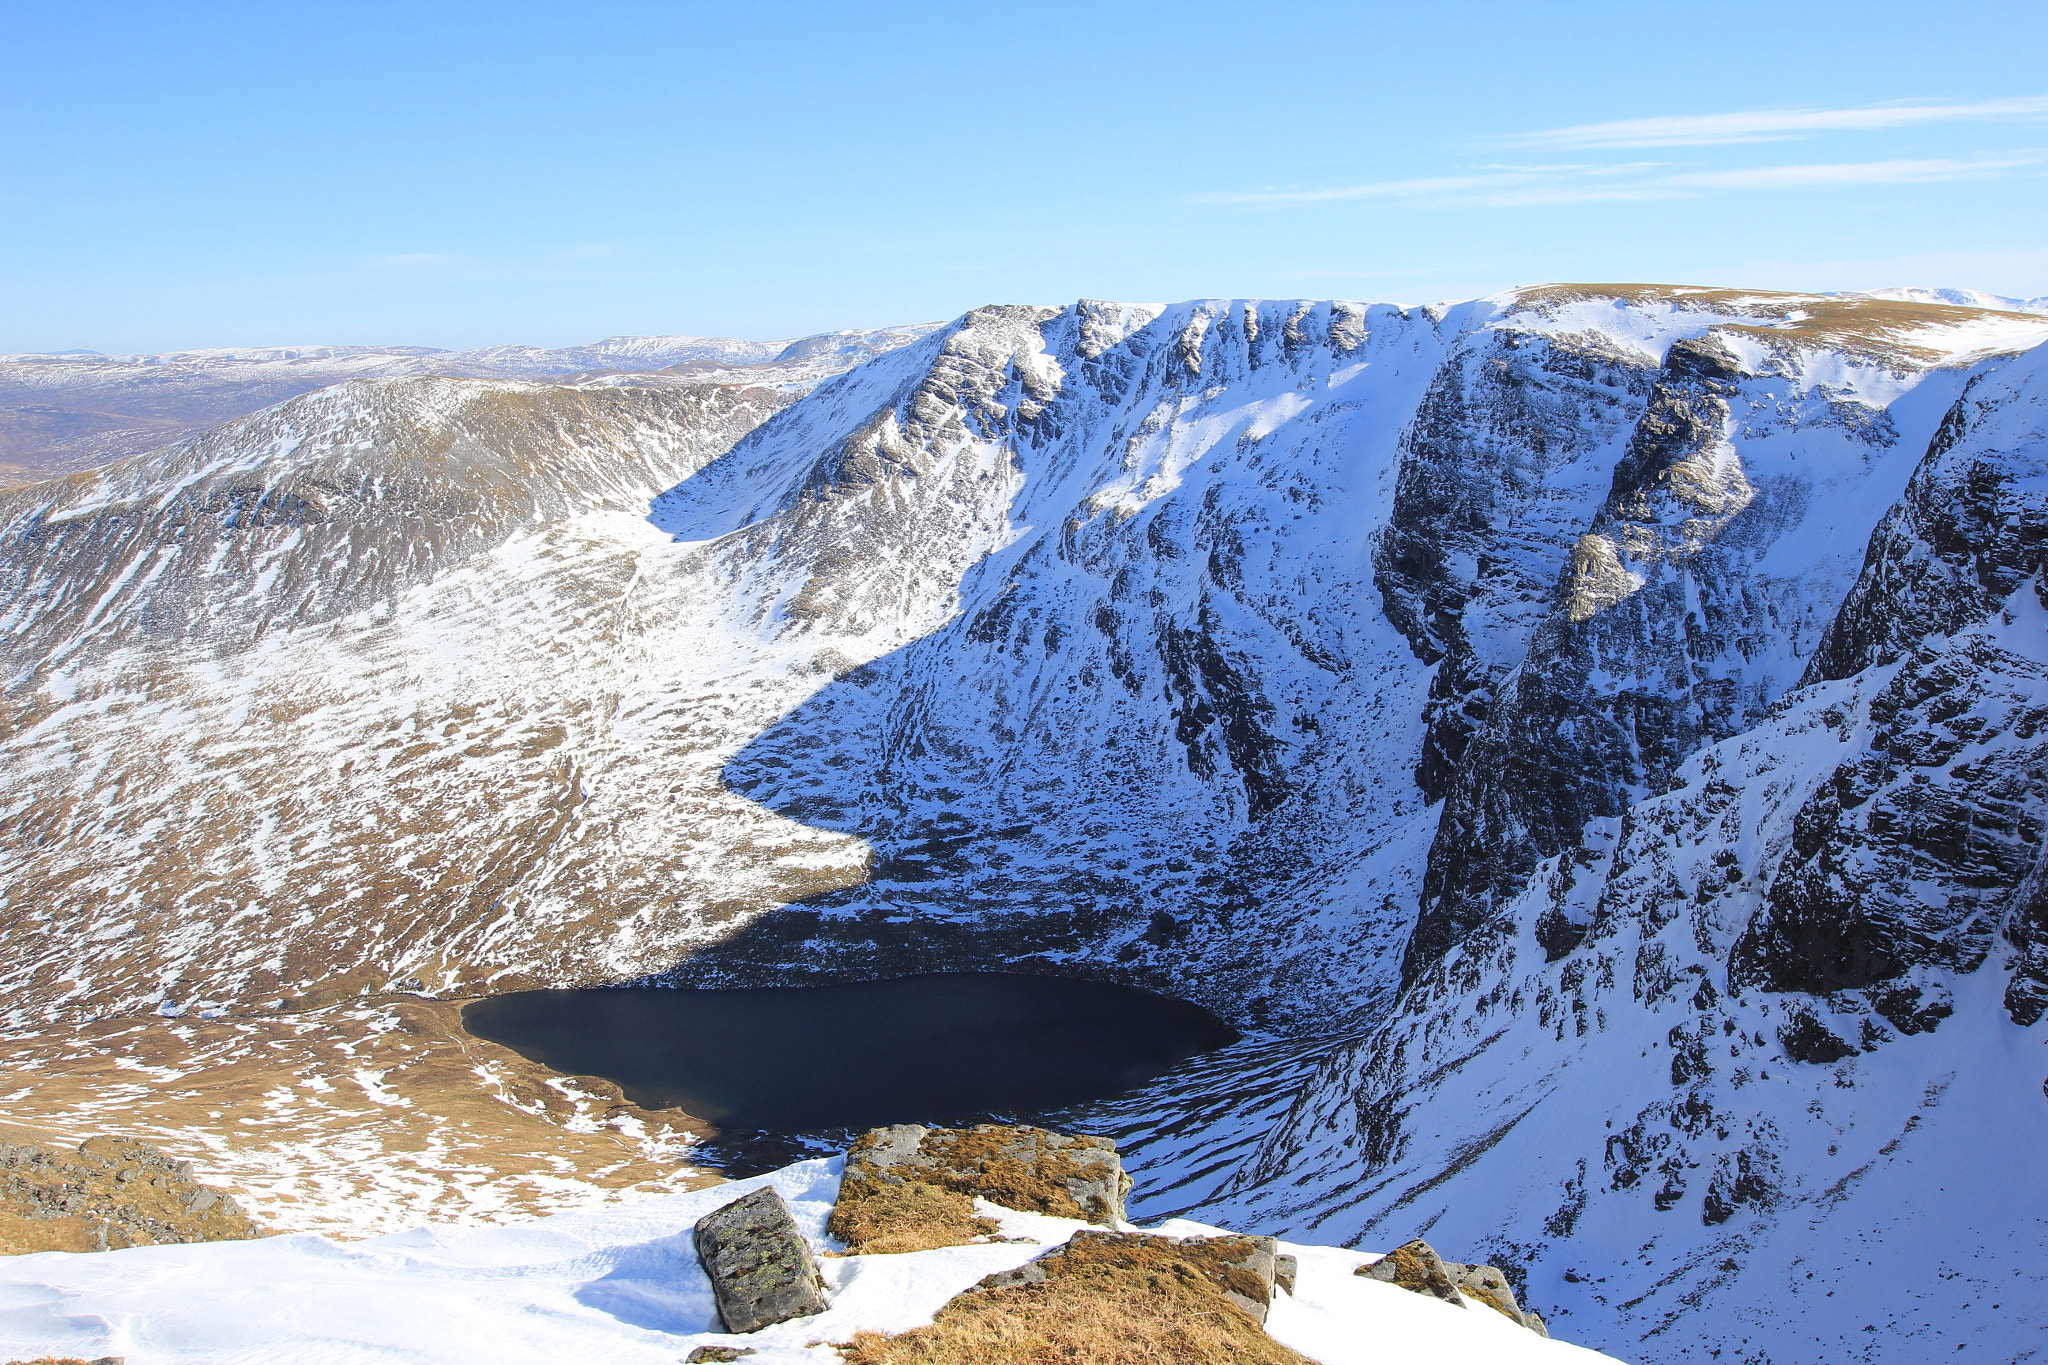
<point x="472" y="173"/>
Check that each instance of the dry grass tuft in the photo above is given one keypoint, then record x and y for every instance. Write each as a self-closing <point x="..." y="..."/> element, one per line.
<point x="1108" y="1299"/>
<point x="909" y="1217"/>
<point x="20" y="1236"/>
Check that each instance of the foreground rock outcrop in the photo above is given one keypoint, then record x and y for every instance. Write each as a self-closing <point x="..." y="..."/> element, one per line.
<point x="1106" y="1297"/>
<point x="106" y="1194"/>
<point x="1102" y="1294"/>
<point x="1416" y="1267"/>
<point x="910" y="1188"/>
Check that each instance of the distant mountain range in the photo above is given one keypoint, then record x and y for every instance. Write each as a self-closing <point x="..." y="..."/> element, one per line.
<point x="1962" y="298"/>
<point x="1593" y="739"/>
<point x="72" y="410"/>
<point x="79" y="409"/>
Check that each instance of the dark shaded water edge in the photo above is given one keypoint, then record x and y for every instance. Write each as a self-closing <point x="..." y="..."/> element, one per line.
<point x="796" y="1072"/>
<point x="1184" y="1134"/>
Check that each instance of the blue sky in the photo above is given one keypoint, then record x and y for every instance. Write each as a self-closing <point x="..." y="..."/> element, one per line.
<point x="449" y="173"/>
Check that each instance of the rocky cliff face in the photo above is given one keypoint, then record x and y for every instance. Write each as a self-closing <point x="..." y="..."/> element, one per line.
<point x="1592" y="730"/>
<point x="1780" y="994"/>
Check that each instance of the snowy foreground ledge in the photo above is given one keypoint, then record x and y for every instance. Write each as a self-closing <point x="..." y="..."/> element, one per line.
<point x="621" y="1285"/>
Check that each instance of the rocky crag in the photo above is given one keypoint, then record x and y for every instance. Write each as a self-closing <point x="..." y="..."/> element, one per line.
<point x="1591" y="732"/>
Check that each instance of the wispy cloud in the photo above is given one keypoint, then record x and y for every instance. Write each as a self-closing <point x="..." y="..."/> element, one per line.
<point x="1484" y="180"/>
<point x="1776" y="125"/>
<point x="1847" y="173"/>
<point x="1534" y="186"/>
<point x="411" y="258"/>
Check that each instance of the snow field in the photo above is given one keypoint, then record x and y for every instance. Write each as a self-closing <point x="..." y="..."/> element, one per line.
<point x="622" y="1285"/>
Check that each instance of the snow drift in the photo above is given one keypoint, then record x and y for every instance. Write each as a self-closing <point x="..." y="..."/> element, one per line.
<point x="622" y="1285"/>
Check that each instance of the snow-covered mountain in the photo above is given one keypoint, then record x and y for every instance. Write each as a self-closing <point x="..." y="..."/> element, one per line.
<point x="1593" y="734"/>
<point x="1962" y="298"/>
<point x="79" y="409"/>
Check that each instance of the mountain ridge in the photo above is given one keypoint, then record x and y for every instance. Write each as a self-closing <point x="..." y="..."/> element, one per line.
<point x="60" y="413"/>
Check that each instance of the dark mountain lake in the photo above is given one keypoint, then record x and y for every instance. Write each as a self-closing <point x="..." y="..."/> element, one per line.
<point x="933" y="1049"/>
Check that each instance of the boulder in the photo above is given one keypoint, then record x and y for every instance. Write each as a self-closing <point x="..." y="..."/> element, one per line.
<point x="1285" y="1268"/>
<point x="1260" y="1259"/>
<point x="920" y="1169"/>
<point x="761" y="1269"/>
<point x="1416" y="1266"/>
<point x="1489" y="1284"/>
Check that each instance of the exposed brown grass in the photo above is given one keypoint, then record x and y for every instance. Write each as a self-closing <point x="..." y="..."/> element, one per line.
<point x="1035" y="1182"/>
<point x="21" y="1236"/>
<point x="909" y="1217"/>
<point x="274" y="1088"/>
<point x="1108" y="1299"/>
<point x="107" y="1192"/>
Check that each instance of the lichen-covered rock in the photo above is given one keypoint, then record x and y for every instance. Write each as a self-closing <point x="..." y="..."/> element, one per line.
<point x="1032" y="1170"/>
<point x="761" y="1269"/>
<point x="1260" y="1259"/>
<point x="1415" y="1266"/>
<point x="107" y="1194"/>
<point x="1489" y="1285"/>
